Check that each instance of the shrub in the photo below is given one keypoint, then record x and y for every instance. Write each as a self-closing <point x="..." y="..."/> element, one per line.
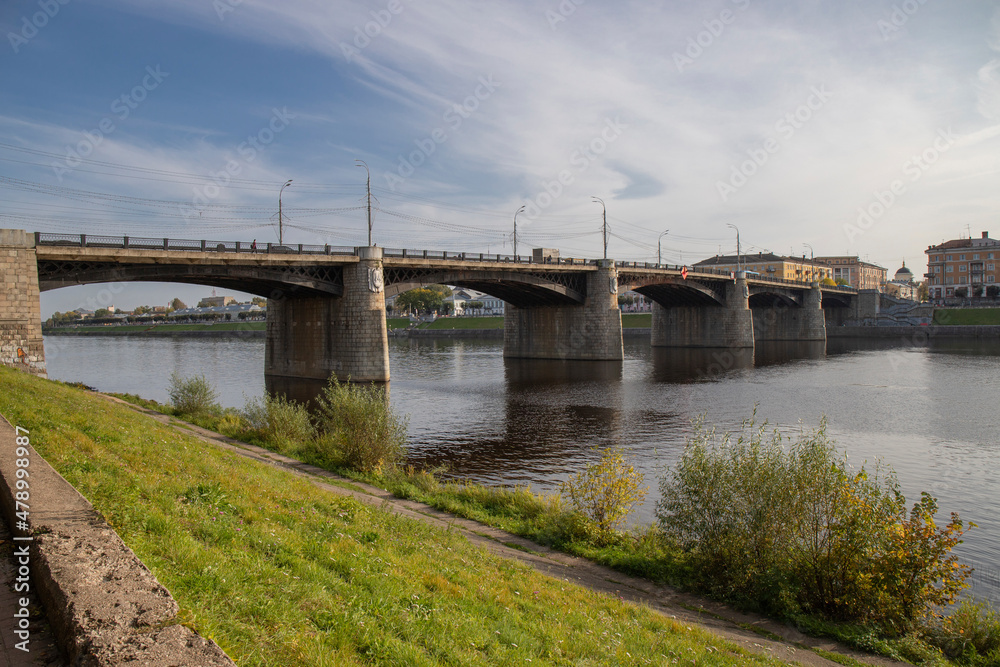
<point x="359" y="427"/>
<point x="790" y="528"/>
<point x="606" y="490"/>
<point x="280" y="423"/>
<point x="193" y="395"/>
<point x="993" y="291"/>
<point x="971" y="631"/>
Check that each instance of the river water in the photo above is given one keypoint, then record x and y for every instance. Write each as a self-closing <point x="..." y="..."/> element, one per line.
<point x="930" y="412"/>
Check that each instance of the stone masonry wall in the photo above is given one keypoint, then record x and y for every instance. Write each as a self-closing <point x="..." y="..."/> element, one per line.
<point x="20" y="310"/>
<point x="592" y="330"/>
<point x="314" y="337"/>
<point x="806" y="323"/>
<point x="729" y="325"/>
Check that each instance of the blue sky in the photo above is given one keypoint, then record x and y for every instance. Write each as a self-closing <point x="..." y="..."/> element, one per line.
<point x="861" y="127"/>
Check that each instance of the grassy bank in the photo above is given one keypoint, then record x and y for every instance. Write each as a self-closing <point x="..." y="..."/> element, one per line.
<point x="123" y="329"/>
<point x="866" y="614"/>
<point x="967" y="316"/>
<point x="637" y="320"/>
<point x="279" y="572"/>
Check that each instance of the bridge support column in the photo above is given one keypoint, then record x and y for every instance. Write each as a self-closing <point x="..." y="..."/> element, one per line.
<point x="729" y="325"/>
<point x="806" y="323"/>
<point x="310" y="338"/>
<point x="591" y="331"/>
<point x="20" y="309"/>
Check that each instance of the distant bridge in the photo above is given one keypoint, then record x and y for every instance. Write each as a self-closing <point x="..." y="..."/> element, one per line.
<point x="326" y="304"/>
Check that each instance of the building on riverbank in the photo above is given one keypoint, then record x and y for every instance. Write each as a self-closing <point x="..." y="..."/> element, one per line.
<point x="856" y="272"/>
<point x="770" y="265"/>
<point x="962" y="267"/>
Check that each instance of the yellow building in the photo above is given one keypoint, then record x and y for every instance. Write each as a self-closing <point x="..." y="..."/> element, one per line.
<point x="856" y="273"/>
<point x="962" y="264"/>
<point x="769" y="265"/>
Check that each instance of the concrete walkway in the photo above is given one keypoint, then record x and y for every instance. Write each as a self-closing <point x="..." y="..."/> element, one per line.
<point x="735" y="626"/>
<point x="41" y="645"/>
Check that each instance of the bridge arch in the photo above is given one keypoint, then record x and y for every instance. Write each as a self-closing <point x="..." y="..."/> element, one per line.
<point x="266" y="281"/>
<point x="517" y="288"/>
<point x="675" y="292"/>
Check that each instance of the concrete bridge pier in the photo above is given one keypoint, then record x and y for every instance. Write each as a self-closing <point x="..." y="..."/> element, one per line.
<point x="782" y="322"/>
<point x="20" y="309"/>
<point x="588" y="331"/>
<point x="728" y="325"/>
<point x="311" y="337"/>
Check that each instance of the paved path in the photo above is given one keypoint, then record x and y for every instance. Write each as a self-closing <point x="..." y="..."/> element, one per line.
<point x="737" y="627"/>
<point x="41" y="647"/>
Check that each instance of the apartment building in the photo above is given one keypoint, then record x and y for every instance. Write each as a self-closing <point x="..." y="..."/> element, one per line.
<point x="962" y="263"/>
<point x="771" y="266"/>
<point x="855" y="272"/>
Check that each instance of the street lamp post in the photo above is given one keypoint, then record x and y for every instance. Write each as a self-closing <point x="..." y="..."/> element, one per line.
<point x="605" y="233"/>
<point x="738" y="265"/>
<point x="658" y="254"/>
<point x="281" y="232"/>
<point x="515" y="230"/>
<point x="362" y="163"/>
<point x="812" y="262"/>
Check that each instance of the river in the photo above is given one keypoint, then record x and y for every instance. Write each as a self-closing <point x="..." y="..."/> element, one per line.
<point x="931" y="413"/>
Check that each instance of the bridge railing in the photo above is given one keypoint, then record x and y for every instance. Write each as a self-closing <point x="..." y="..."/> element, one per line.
<point x="190" y="245"/>
<point x="483" y="257"/>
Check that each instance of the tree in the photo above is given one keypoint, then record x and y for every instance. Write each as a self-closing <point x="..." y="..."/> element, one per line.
<point x="842" y="282"/>
<point x="177" y="304"/>
<point x="443" y="290"/>
<point x="977" y="290"/>
<point x="420" y="299"/>
<point x="102" y="312"/>
<point x="827" y="281"/>
<point x="993" y="291"/>
<point x="961" y="292"/>
<point x="923" y="292"/>
<point x="259" y="301"/>
<point x="142" y="310"/>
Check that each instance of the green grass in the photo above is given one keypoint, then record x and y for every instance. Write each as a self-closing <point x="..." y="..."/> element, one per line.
<point x="123" y="329"/>
<point x="966" y="316"/>
<point x="279" y="572"/>
<point x="637" y="320"/>
<point x="397" y="322"/>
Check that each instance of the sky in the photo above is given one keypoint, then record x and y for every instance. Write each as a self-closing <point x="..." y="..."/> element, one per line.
<point x="858" y="127"/>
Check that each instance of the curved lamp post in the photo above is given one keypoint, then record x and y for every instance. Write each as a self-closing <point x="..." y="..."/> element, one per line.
<point x="812" y="262"/>
<point x="362" y="163"/>
<point x="520" y="210"/>
<point x="281" y="233"/>
<point x="605" y="233"/>
<point x="658" y="254"/>
<point x="738" y="265"/>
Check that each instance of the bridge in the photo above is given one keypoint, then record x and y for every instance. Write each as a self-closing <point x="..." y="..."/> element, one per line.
<point x="326" y="304"/>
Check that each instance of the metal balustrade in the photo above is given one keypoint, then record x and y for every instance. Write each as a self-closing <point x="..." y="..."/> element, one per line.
<point x="247" y="247"/>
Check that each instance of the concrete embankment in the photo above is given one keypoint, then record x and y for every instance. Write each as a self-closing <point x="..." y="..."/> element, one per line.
<point x="162" y="333"/>
<point x="982" y="332"/>
<point x="104" y="605"/>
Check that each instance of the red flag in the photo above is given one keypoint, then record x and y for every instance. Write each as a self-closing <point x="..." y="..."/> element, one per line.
<point x="684" y="272"/>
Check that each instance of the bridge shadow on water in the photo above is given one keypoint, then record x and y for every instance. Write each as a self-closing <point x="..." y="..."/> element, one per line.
<point x="673" y="365"/>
